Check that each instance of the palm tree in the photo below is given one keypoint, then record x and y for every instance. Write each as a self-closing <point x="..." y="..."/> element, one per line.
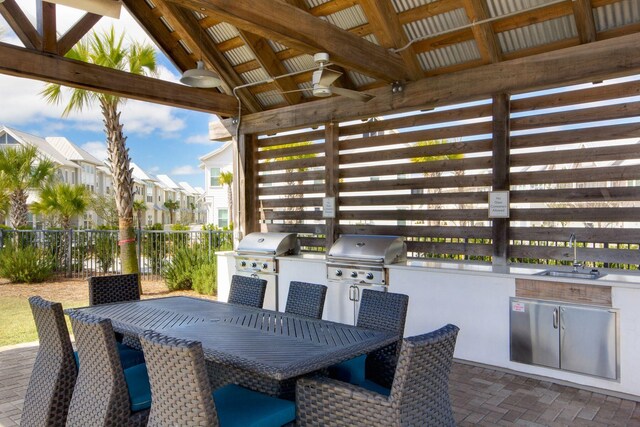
<point x="172" y="205"/>
<point x="226" y="178"/>
<point x="139" y="206"/>
<point x="21" y="170"/>
<point x="107" y="50"/>
<point x="62" y="200"/>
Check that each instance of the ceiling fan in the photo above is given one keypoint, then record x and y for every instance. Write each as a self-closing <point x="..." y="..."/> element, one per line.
<point x="323" y="78"/>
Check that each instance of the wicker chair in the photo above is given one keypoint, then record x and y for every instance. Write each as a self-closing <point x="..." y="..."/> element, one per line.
<point x="54" y="372"/>
<point x="306" y="299"/>
<point x="247" y="291"/>
<point x="116" y="288"/>
<point x="383" y="311"/>
<point x="105" y="394"/>
<point x="419" y="394"/>
<point x="182" y="394"/>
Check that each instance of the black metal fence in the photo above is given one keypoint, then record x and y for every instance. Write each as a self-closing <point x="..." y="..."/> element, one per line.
<point x="84" y="253"/>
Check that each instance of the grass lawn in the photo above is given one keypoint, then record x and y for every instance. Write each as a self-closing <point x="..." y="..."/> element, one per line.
<point x="17" y="321"/>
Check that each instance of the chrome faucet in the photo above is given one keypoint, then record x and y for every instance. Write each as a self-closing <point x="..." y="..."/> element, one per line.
<point x="573" y="243"/>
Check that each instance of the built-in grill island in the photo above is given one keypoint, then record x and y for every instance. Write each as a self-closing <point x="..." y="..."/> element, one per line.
<point x="355" y="261"/>
<point x="256" y="256"/>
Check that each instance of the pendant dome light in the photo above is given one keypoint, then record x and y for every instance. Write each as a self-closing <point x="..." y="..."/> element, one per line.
<point x="200" y="76"/>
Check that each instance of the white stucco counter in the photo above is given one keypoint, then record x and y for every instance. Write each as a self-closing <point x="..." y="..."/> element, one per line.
<point x="475" y="297"/>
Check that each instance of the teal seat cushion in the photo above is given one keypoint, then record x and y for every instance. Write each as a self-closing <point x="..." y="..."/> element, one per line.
<point x="137" y="380"/>
<point x="128" y="356"/>
<point x="375" y="387"/>
<point x="240" y="407"/>
<point x="349" y="371"/>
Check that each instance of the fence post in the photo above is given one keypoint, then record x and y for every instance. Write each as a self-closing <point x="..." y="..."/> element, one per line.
<point x="69" y="252"/>
<point x="210" y="244"/>
<point x="139" y="238"/>
<point x="1" y="238"/>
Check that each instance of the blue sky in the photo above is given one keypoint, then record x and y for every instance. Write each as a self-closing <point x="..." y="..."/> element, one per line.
<point x="161" y="140"/>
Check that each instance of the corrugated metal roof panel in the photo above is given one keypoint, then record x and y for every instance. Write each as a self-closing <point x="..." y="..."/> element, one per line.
<point x="503" y="7"/>
<point x="254" y="76"/>
<point x="166" y="24"/>
<point x="404" y="5"/>
<point x="347" y="18"/>
<point x="436" y="24"/>
<point x="185" y="47"/>
<point x="538" y="34"/>
<point x="277" y="47"/>
<point x="314" y="3"/>
<point x="449" y="55"/>
<point x="299" y="63"/>
<point x="239" y="55"/>
<point x="222" y="32"/>
<point x="617" y="14"/>
<point x="360" y="79"/>
<point x="198" y="15"/>
<point x="150" y="3"/>
<point x="371" y="38"/>
<point x="270" y="98"/>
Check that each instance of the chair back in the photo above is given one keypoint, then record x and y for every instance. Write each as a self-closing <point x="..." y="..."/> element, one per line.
<point x="54" y="371"/>
<point x="383" y="311"/>
<point x="115" y="288"/>
<point x="179" y="382"/>
<point x="306" y="299"/>
<point x="248" y="291"/>
<point x="101" y="396"/>
<point x="421" y="385"/>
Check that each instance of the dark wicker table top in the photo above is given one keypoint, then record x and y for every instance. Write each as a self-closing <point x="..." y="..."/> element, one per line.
<point x="268" y="343"/>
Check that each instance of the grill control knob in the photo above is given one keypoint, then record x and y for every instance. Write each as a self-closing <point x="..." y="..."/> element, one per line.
<point x="243" y="263"/>
<point x="338" y="272"/>
<point x="254" y="265"/>
<point x="369" y="276"/>
<point x="354" y="274"/>
<point x="265" y="265"/>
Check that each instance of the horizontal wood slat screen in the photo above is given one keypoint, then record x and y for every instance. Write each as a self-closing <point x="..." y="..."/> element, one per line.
<point x="575" y="168"/>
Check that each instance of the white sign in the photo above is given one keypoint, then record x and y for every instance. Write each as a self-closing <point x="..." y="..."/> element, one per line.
<point x="329" y="207"/>
<point x="518" y="307"/>
<point x="499" y="204"/>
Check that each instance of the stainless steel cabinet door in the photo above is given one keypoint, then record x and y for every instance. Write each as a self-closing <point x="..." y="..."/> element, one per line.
<point x="534" y="333"/>
<point x="589" y="340"/>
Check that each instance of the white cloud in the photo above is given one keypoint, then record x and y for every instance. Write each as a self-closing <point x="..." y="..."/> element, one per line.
<point x="153" y="169"/>
<point x="202" y="139"/>
<point x="96" y="149"/>
<point x="185" y="170"/>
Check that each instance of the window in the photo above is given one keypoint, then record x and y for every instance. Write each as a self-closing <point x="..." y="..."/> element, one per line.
<point x="7" y="139"/>
<point x="214" y="180"/>
<point x="223" y="218"/>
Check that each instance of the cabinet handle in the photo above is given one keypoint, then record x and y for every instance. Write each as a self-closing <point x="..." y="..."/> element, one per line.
<point x="555" y="318"/>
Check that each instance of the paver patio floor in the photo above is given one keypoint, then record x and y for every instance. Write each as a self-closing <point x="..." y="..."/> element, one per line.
<point x="480" y="397"/>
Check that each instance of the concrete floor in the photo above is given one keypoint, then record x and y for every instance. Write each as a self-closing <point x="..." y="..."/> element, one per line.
<point x="480" y="396"/>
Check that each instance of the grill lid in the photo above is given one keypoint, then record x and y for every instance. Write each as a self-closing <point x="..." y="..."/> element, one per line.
<point x="368" y="248"/>
<point x="274" y="244"/>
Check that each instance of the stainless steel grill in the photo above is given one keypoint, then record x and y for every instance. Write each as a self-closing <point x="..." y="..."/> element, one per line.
<point x="361" y="259"/>
<point x="256" y="256"/>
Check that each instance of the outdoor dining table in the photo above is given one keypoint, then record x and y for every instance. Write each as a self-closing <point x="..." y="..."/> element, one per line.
<point x="271" y="344"/>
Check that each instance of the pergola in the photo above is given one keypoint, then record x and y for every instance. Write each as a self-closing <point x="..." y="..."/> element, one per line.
<point x="412" y="56"/>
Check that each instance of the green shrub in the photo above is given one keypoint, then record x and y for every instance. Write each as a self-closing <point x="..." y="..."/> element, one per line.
<point x="180" y="227"/>
<point x="25" y="264"/>
<point x="204" y="279"/>
<point x="106" y="250"/>
<point x="178" y="272"/>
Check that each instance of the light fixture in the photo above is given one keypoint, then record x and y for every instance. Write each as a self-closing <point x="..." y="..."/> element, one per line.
<point x="200" y="77"/>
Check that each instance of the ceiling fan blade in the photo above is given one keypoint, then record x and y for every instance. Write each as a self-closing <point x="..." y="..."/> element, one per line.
<point x="359" y="96"/>
<point x="298" y="90"/>
<point x="325" y="76"/>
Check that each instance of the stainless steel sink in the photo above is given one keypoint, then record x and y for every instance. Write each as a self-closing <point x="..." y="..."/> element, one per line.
<point x="591" y="275"/>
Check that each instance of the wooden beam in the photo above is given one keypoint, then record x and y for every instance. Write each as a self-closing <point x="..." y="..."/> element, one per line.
<point x="286" y="24"/>
<point x="20" y="24"/>
<point x="46" y="18"/>
<point x="485" y="37"/>
<point x="21" y="62"/>
<point x="579" y="64"/>
<point x="500" y="174"/>
<point x="186" y="24"/>
<point x="248" y="185"/>
<point x="272" y="65"/>
<point x="75" y="33"/>
<point x="390" y="34"/>
<point x="585" y="22"/>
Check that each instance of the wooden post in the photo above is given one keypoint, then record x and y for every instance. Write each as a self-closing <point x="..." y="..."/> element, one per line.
<point x="247" y="185"/>
<point x="501" y="127"/>
<point x="332" y="162"/>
